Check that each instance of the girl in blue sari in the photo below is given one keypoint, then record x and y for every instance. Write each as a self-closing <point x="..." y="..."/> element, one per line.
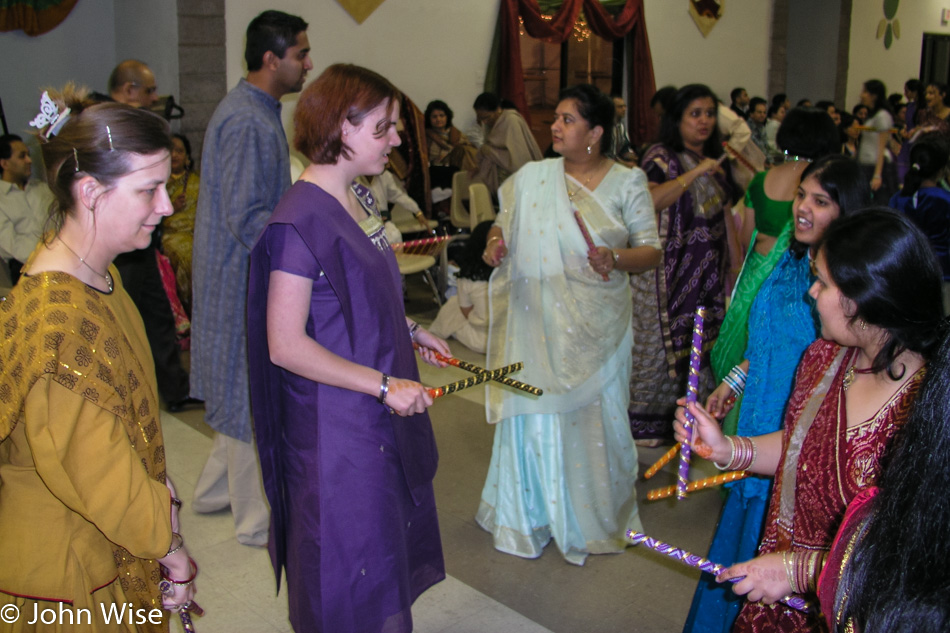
<point x="782" y="324"/>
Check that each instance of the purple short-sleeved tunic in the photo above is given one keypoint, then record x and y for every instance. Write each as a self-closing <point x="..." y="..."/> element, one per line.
<point x="350" y="485"/>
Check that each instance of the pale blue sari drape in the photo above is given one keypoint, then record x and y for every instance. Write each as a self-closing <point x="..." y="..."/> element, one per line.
<point x="563" y="465"/>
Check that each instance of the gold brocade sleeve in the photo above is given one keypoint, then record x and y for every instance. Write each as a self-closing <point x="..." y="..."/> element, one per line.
<point x="82" y="453"/>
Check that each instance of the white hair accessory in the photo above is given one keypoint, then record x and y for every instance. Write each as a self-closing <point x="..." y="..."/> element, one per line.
<point x="50" y="115"/>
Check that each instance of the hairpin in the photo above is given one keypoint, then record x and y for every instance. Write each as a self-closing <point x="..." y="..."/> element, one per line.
<point x="50" y="115"/>
<point x="109" y="132"/>
<point x="76" y="156"/>
<point x="915" y="166"/>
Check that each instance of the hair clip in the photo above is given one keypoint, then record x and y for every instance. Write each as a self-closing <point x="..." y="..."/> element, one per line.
<point x="109" y="132"/>
<point x="76" y="156"/>
<point x="915" y="166"/>
<point x="50" y="115"/>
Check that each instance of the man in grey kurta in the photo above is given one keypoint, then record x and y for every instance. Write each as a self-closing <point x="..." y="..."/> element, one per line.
<point x="245" y="169"/>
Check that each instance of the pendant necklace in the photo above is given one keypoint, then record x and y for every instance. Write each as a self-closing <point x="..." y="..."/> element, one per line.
<point x="571" y="194"/>
<point x="849" y="375"/>
<point x="107" y="276"/>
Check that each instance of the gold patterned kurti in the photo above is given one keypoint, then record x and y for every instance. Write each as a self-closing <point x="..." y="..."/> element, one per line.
<point x="84" y="510"/>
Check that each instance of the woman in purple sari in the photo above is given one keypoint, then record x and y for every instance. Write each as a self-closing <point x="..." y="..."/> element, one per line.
<point x="691" y="193"/>
<point x="347" y="450"/>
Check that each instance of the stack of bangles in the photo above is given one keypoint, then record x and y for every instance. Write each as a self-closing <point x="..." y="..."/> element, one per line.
<point x="413" y="329"/>
<point x="802" y="569"/>
<point x="168" y="584"/>
<point x="743" y="453"/>
<point x="736" y="380"/>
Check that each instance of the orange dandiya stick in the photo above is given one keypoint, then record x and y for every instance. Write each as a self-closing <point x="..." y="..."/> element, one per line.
<point x="739" y="158"/>
<point x="663" y="461"/>
<point x="478" y="379"/>
<point x="699" y="484"/>
<point x="475" y="369"/>
<point x="428" y="241"/>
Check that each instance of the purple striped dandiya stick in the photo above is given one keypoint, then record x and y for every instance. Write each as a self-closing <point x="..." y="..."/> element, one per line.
<point x="700" y="563"/>
<point x="692" y="392"/>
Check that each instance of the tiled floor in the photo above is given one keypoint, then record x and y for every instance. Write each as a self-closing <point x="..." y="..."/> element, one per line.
<point x="486" y="591"/>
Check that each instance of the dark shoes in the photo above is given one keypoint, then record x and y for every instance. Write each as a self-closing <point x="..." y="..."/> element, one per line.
<point x="181" y="405"/>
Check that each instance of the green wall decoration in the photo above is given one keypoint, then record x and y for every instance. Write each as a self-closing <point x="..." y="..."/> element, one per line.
<point x="889" y="26"/>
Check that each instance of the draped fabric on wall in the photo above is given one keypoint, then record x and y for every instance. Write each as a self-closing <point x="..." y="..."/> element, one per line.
<point x="629" y="24"/>
<point x="33" y="17"/>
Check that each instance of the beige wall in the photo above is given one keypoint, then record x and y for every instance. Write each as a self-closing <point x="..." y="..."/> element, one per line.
<point x="736" y="52"/>
<point x="893" y="66"/>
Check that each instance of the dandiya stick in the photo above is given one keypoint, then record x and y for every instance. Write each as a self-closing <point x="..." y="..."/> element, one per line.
<point x="475" y="369"/>
<point x="703" y="564"/>
<point x="428" y="241"/>
<point x="692" y="386"/>
<point x="739" y="158"/>
<point x="458" y="385"/>
<point x="699" y="484"/>
<point x="185" y="617"/>
<point x="663" y="461"/>
<point x="587" y="237"/>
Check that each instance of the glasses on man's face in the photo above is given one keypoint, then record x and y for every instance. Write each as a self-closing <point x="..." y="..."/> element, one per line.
<point x="149" y="90"/>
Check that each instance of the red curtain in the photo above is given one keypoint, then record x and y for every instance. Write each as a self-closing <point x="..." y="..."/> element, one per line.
<point x="33" y="17"/>
<point x="629" y="24"/>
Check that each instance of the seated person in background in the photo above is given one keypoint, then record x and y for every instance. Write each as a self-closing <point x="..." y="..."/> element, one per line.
<point x="24" y="204"/>
<point x="622" y="149"/>
<point x="829" y="107"/>
<point x="508" y="142"/>
<point x="449" y="149"/>
<point x="388" y="192"/>
<point x="465" y="315"/>
<point x="178" y="229"/>
<point x="758" y="113"/>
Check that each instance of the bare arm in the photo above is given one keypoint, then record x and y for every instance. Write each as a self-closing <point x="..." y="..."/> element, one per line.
<point x="670" y="191"/>
<point x="288" y="306"/>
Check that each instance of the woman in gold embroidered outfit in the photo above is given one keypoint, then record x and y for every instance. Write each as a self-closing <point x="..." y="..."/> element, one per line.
<point x="87" y="515"/>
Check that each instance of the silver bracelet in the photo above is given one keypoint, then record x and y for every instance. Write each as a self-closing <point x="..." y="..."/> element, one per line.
<point x="413" y="329"/>
<point x="383" y="389"/>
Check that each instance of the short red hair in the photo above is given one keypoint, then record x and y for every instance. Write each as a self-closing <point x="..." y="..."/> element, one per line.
<point x="342" y="91"/>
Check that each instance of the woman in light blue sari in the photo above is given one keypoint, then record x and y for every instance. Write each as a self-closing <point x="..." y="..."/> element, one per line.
<point x="563" y="465"/>
<point x="782" y="324"/>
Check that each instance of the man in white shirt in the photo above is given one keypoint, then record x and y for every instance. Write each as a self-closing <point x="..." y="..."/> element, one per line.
<point x="24" y="204"/>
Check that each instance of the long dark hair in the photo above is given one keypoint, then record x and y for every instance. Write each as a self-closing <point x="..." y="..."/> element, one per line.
<point x="897" y="578"/>
<point x="928" y="159"/>
<point x="809" y="133"/>
<point x="841" y="178"/>
<point x="471" y="264"/>
<point x="438" y="105"/>
<point x="670" y="126"/>
<point x="883" y="263"/>
<point x="876" y="89"/>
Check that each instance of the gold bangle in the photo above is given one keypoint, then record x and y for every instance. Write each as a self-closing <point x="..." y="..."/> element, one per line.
<point x="682" y="182"/>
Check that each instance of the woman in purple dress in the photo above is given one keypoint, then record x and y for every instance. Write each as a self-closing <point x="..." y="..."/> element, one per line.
<point x="347" y="450"/>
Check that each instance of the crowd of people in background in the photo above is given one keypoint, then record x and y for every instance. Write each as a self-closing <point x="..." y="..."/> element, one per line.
<point x="816" y="239"/>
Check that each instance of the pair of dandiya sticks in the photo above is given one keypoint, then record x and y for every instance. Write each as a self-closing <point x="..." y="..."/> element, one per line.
<point x="481" y="375"/>
<point x="683" y="484"/>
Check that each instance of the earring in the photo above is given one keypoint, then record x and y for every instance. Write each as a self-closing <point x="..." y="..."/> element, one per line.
<point x="588" y="150"/>
<point x="864" y="325"/>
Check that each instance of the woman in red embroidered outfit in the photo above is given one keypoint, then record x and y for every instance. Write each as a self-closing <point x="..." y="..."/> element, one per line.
<point x="887" y="570"/>
<point x="878" y="296"/>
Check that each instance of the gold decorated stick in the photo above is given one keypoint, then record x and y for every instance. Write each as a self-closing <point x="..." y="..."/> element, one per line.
<point x="475" y="369"/>
<point x="478" y="379"/>
<point x="663" y="461"/>
<point x="699" y="484"/>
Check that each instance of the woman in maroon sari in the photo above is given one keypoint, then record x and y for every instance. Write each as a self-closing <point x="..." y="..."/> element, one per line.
<point x="878" y="296"/>
<point x="691" y="192"/>
<point x="887" y="570"/>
